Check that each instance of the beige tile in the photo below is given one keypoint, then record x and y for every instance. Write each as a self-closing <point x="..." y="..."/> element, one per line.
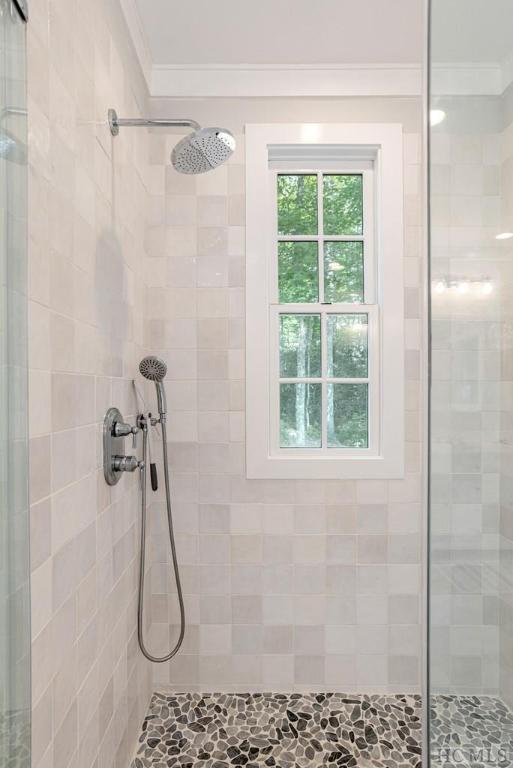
<point x="145" y="259"/>
<point x="40" y="468"/>
<point x="40" y="532"/>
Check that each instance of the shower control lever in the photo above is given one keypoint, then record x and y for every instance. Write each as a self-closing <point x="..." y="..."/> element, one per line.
<point x="115" y="460"/>
<point x="123" y="430"/>
<point x="126" y="463"/>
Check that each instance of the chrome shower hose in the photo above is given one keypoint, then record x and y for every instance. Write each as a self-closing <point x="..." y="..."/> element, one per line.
<point x="142" y="562"/>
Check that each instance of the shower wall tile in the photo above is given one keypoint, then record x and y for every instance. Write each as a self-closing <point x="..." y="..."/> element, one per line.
<point x="87" y="196"/>
<point x="289" y="585"/>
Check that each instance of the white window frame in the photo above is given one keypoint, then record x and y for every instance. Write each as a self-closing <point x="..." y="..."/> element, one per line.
<point x="375" y="150"/>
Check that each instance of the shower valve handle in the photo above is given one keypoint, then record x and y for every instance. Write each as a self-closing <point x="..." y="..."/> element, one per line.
<point x="115" y="460"/>
<point x="121" y="429"/>
<point x="126" y="463"/>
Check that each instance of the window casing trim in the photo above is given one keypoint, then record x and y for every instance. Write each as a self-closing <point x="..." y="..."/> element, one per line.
<point x="379" y="145"/>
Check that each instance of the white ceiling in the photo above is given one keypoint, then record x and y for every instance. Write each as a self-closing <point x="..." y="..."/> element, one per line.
<point x="472" y="31"/>
<point x="267" y="32"/>
<point x="240" y="48"/>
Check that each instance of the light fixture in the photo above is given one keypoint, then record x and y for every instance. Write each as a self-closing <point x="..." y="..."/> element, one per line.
<point x="486" y="287"/>
<point x="504" y="236"/>
<point x="440" y="286"/>
<point x="463" y="287"/>
<point x="436" y="116"/>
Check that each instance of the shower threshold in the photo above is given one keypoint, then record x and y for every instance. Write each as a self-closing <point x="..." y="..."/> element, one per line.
<point x="221" y="730"/>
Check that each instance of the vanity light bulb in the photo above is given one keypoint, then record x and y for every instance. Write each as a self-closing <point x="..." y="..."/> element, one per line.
<point x="440" y="286"/>
<point x="486" y="287"/>
<point x="463" y="287"/>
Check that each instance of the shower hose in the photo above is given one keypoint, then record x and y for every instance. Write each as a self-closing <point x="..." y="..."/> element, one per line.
<point x="143" y="421"/>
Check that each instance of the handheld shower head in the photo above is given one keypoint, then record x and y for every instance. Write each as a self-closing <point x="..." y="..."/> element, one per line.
<point x="155" y="369"/>
<point x="203" y="150"/>
<point x="152" y="368"/>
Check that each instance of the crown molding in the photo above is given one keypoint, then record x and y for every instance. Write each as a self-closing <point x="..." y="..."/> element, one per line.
<point x="322" y="80"/>
<point x="136" y="28"/>
<point x="467" y="79"/>
<point x="325" y="80"/>
<point x="312" y="80"/>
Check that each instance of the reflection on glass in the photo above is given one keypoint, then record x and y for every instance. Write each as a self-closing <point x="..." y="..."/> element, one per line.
<point x="348" y="421"/>
<point x="343" y="204"/>
<point x="300" y="415"/>
<point x="298" y="268"/>
<point x="343" y="271"/>
<point x="347" y="337"/>
<point x="15" y="645"/>
<point x="297" y="204"/>
<point x="300" y="346"/>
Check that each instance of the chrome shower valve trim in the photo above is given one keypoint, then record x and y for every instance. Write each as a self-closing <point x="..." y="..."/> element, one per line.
<point x="115" y="462"/>
<point x="126" y="463"/>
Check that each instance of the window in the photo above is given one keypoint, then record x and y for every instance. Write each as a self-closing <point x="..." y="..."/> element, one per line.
<point x="324" y="301"/>
<point x="325" y="319"/>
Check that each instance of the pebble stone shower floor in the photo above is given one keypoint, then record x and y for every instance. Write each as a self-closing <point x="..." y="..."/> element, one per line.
<point x="284" y="730"/>
<point x="471" y="731"/>
<point x="288" y="730"/>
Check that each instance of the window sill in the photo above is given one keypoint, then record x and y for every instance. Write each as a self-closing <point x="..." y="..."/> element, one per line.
<point x="322" y="468"/>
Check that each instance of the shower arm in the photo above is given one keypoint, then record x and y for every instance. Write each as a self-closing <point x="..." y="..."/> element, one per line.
<point x="115" y="123"/>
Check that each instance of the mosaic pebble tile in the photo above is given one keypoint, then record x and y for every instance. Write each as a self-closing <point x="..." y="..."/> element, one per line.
<point x="15" y="738"/>
<point x="471" y="731"/>
<point x="282" y="730"/>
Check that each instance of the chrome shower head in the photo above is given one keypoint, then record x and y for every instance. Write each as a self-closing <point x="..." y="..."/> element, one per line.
<point x="203" y="150"/>
<point x="199" y="152"/>
<point x="152" y="368"/>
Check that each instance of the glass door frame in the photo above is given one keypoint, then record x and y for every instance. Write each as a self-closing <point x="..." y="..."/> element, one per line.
<point x="15" y="635"/>
<point x="427" y="378"/>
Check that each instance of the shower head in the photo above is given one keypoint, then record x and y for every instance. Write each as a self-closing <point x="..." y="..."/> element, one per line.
<point x="200" y="151"/>
<point x="154" y="369"/>
<point x="203" y="150"/>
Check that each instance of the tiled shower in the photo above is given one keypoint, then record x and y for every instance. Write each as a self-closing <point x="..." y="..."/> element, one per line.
<point x="290" y="585"/>
<point x="317" y="610"/>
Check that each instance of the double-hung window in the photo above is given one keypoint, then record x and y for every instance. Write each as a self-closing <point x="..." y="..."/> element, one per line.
<point x="324" y="301"/>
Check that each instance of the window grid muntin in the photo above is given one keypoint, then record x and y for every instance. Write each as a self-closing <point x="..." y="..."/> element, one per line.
<point x="364" y="266"/>
<point x="320" y="238"/>
<point x="372" y="379"/>
<point x="324" y="380"/>
<point x="323" y="308"/>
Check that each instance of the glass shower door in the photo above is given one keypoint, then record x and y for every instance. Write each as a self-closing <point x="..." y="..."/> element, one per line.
<point x="471" y="398"/>
<point x="14" y="542"/>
